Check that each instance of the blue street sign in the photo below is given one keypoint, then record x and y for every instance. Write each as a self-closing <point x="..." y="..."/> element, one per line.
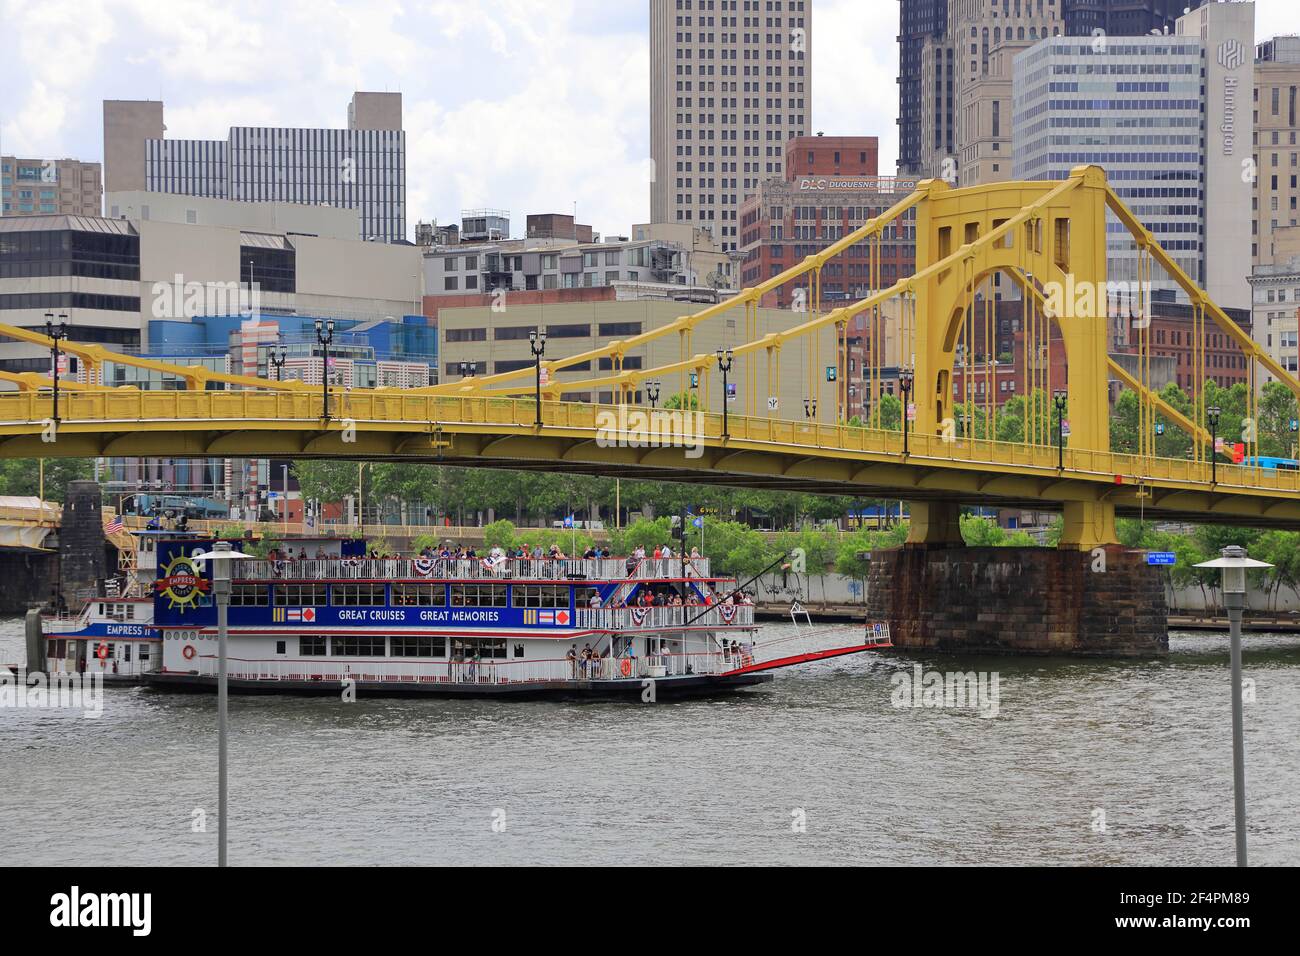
<point x="1161" y="557"/>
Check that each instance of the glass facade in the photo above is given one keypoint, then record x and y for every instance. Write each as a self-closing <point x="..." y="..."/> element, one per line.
<point x="69" y="253"/>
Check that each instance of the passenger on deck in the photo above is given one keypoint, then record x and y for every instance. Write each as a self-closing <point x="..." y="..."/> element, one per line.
<point x="572" y="658"/>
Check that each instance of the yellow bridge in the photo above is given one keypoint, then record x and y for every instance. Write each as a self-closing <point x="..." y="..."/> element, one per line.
<point x="1042" y="235"/>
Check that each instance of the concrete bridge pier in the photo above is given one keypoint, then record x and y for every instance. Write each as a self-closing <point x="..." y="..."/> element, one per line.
<point x="1089" y="597"/>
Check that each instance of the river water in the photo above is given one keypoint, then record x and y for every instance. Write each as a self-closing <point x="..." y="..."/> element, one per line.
<point x="1086" y="762"/>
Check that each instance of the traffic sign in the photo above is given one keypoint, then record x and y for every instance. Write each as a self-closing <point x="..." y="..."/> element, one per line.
<point x="1161" y="557"/>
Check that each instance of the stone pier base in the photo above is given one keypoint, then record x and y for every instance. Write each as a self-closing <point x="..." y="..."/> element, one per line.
<point x="1019" y="601"/>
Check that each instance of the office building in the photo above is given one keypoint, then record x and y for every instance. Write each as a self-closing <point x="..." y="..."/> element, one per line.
<point x="362" y="167"/>
<point x="729" y="84"/>
<point x="1165" y="117"/>
<point x="955" y="71"/>
<point x="44" y="187"/>
<point x="1275" y="289"/>
<point x="1277" y="153"/>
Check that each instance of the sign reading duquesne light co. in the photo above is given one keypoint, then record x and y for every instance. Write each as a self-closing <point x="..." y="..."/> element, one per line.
<point x="883" y="184"/>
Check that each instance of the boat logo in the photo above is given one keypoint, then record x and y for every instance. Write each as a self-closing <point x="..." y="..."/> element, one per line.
<point x="181" y="584"/>
<point x="728" y="612"/>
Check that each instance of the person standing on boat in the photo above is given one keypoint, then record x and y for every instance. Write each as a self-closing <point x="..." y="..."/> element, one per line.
<point x="572" y="658"/>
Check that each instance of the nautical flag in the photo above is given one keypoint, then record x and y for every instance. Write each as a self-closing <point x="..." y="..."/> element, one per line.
<point x="277" y="615"/>
<point x="546" y="617"/>
<point x="114" y="525"/>
<point x="562" y="617"/>
<point x="295" y="614"/>
<point x="530" y="617"/>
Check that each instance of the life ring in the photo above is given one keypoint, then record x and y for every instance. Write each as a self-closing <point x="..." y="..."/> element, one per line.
<point x="102" y="651"/>
<point x="188" y="652"/>
<point x="625" y="667"/>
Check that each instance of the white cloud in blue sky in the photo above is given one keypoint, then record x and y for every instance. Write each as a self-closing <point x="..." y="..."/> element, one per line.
<point x="527" y="105"/>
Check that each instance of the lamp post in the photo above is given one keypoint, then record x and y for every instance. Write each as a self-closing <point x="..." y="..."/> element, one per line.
<point x="725" y="361"/>
<point x="467" y="369"/>
<point x="652" y="393"/>
<point x="221" y="554"/>
<point x="905" y="379"/>
<point x="1060" y="399"/>
<point x="1212" y="417"/>
<point x="537" y="342"/>
<point x="1234" y="565"/>
<point x="810" y="408"/>
<point x="325" y="335"/>
<point x="56" y="334"/>
<point x="853" y="401"/>
<point x="277" y="356"/>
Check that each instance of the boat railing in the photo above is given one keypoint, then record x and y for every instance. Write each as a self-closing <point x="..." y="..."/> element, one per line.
<point x="469" y="672"/>
<point x="655" y="618"/>
<point x="544" y="569"/>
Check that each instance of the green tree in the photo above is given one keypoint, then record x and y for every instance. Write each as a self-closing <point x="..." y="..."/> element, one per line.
<point x="22" y="476"/>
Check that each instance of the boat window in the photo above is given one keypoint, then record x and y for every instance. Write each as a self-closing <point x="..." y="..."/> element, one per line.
<point x="126" y="652"/>
<point x="298" y="595"/>
<point x="541" y="595"/>
<point x="419" y="595"/>
<point x="249" y="595"/>
<point x="483" y="648"/>
<point x="357" y="595"/>
<point x="478" y="595"/>
<point x="584" y="595"/>
<point x="279" y="647"/>
<point x="311" y="646"/>
<point x="357" y="647"/>
<point x="420" y="646"/>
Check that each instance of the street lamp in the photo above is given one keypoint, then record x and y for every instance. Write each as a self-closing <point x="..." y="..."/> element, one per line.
<point x="905" y="381"/>
<point x="325" y="335"/>
<point x="1212" y="416"/>
<point x="652" y="393"/>
<point x="810" y="408"/>
<point x="56" y="334"/>
<point x="1234" y="565"/>
<point x="221" y="554"/>
<point x="1060" y="399"/>
<point x="467" y="369"/>
<point x="725" y="361"/>
<point x="537" y="342"/>
<point x="277" y="355"/>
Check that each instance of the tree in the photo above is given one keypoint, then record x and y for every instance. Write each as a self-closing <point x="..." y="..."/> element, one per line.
<point x="326" y="481"/>
<point x="22" y="476"/>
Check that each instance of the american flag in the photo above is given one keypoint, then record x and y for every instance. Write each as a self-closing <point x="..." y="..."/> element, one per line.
<point x="113" y="525"/>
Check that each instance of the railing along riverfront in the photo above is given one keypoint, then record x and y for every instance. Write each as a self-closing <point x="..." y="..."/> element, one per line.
<point x="524" y="569"/>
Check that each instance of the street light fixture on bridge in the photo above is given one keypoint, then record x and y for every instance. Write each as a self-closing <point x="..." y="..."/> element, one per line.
<point x="725" y="361"/>
<point x="468" y="369"/>
<point x="652" y="393"/>
<point x="810" y="408"/>
<point x="56" y="334"/>
<point x="1060" y="399"/>
<point x="1212" y="417"/>
<point x="905" y="380"/>
<point x="277" y="356"/>
<point x="537" y="342"/>
<point x="1234" y="565"/>
<point x="325" y="335"/>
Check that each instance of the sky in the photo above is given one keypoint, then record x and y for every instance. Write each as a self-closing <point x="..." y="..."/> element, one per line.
<point x="525" y="105"/>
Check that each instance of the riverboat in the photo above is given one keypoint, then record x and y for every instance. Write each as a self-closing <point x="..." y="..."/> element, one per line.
<point x="494" y="626"/>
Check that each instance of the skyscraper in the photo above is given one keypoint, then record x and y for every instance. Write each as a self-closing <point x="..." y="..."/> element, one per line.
<point x="954" y="83"/>
<point x="730" y="83"/>
<point x="362" y="167"/>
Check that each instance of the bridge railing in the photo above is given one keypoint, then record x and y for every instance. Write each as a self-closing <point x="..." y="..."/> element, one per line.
<point x="420" y="418"/>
